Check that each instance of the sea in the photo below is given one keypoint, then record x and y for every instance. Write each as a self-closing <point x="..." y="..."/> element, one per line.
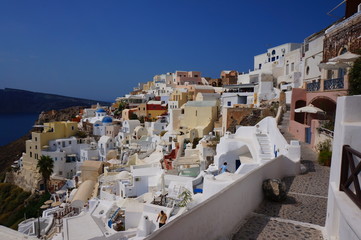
<point x="14" y="126"/>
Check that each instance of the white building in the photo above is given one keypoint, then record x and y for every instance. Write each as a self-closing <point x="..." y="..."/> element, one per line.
<point x="313" y="55"/>
<point x="66" y="154"/>
<point x="99" y="128"/>
<point x="156" y="127"/>
<point x="237" y="94"/>
<point x="105" y="145"/>
<point x="89" y="153"/>
<point x="127" y="130"/>
<point x="143" y="177"/>
<point x="274" y="55"/>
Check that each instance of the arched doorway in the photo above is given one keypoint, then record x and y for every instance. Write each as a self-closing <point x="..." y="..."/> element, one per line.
<point x="300" y="117"/>
<point x="329" y="106"/>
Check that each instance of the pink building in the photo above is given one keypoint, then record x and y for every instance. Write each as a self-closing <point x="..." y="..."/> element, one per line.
<point x="340" y="44"/>
<point x="192" y="77"/>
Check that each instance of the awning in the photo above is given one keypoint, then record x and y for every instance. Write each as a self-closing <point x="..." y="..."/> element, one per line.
<point x="56" y="204"/>
<point x="48" y="202"/>
<point x="333" y="65"/>
<point x="346" y="57"/>
<point x="309" y="109"/>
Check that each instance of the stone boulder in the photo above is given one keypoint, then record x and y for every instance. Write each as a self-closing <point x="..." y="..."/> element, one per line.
<point x="274" y="190"/>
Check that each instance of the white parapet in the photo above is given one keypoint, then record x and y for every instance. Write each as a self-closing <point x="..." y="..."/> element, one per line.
<point x="343" y="215"/>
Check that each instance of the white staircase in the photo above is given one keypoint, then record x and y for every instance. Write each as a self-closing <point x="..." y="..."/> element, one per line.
<point x="266" y="150"/>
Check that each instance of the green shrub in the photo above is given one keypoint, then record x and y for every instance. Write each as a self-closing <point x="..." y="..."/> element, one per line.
<point x="325" y="153"/>
<point x="324" y="158"/>
<point x="355" y="78"/>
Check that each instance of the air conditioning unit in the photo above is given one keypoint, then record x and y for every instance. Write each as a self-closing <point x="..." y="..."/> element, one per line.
<point x="268" y="54"/>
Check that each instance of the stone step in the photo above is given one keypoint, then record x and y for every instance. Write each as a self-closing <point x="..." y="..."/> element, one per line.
<point x="261" y="135"/>
<point x="263" y="227"/>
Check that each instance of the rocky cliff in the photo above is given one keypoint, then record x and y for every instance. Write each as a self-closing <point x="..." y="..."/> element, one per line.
<point x="21" y="101"/>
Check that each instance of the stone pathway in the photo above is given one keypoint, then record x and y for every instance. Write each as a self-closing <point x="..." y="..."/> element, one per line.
<point x="302" y="215"/>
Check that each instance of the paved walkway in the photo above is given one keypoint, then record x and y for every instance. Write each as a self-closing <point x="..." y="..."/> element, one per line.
<point x="302" y="215"/>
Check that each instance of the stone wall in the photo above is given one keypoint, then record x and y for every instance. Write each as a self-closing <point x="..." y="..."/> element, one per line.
<point x="346" y="35"/>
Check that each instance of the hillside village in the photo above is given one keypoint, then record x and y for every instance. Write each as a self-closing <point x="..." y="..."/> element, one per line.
<point x="163" y="146"/>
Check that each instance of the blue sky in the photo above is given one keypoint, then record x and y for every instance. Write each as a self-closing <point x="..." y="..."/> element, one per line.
<point x="101" y="49"/>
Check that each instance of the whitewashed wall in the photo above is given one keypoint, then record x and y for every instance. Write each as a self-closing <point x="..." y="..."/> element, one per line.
<point x="343" y="216"/>
<point x="219" y="216"/>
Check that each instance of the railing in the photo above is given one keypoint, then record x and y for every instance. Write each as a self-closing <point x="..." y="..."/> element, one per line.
<point x="336" y="83"/>
<point x="313" y="86"/>
<point x="350" y="173"/>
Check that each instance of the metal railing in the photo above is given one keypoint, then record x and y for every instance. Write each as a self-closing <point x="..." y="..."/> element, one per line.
<point x="331" y="84"/>
<point x="313" y="86"/>
<point x="350" y="174"/>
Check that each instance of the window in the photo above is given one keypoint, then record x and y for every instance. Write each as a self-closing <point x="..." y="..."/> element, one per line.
<point x="229" y="103"/>
<point x="292" y="67"/>
<point x="69" y="142"/>
<point x="196" y="113"/>
<point x="55" y="158"/>
<point x="329" y="74"/>
<point x="273" y="52"/>
<point x="72" y="127"/>
<point x="307" y="70"/>
<point x="31" y="154"/>
<point x="60" y="173"/>
<point x="36" y="139"/>
<point x="273" y="59"/>
<point x="306" y="47"/>
<point x="259" y="66"/>
<point x="269" y="59"/>
<point x="195" y="75"/>
<point x="36" y="146"/>
<point x="277" y="57"/>
<point x="344" y="50"/>
<point x="287" y="69"/>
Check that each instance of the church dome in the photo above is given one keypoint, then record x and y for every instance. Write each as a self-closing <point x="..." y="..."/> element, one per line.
<point x="100" y="110"/>
<point x="107" y="120"/>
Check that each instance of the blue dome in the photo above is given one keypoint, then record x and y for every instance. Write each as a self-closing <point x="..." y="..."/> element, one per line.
<point x="100" y="110"/>
<point x="107" y="120"/>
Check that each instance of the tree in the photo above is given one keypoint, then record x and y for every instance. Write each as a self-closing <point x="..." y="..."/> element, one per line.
<point x="355" y="78"/>
<point x="45" y="166"/>
<point x="185" y="196"/>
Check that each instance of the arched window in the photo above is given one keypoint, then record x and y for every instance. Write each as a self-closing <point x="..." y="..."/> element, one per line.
<point x="273" y="52"/>
<point x="343" y="50"/>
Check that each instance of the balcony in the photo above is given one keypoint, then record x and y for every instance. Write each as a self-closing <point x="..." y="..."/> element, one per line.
<point x="350" y="174"/>
<point x="313" y="86"/>
<point x="328" y="85"/>
<point x="332" y="84"/>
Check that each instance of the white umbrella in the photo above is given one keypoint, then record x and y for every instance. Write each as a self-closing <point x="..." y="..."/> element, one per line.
<point x="346" y="57"/>
<point x="333" y="65"/>
<point x="309" y="109"/>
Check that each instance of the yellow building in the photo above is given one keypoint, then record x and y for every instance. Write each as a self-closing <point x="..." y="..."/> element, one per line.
<point x="155" y="109"/>
<point x="179" y="95"/>
<point x="198" y="118"/>
<point x="29" y="178"/>
<point x="147" y="86"/>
